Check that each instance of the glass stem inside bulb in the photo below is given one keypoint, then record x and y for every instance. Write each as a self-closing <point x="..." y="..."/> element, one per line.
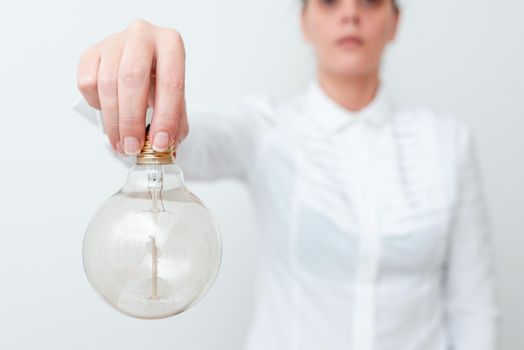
<point x="155" y="183"/>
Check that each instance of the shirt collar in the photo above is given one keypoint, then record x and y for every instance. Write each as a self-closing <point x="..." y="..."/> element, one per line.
<point x="331" y="117"/>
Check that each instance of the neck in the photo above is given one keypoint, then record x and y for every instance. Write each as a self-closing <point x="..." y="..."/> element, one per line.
<point x="353" y="93"/>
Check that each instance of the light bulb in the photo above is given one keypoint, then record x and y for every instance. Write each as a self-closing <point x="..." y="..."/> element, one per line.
<point x="152" y="250"/>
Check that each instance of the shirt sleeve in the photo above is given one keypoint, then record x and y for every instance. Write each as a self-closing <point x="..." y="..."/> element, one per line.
<point x="472" y="313"/>
<point x="223" y="142"/>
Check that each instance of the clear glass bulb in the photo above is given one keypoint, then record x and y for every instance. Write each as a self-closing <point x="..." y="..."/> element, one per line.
<point x="153" y="249"/>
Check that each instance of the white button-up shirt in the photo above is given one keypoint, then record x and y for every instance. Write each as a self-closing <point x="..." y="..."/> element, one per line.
<point x="373" y="224"/>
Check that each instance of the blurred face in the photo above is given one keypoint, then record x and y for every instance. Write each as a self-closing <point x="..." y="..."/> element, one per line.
<point x="349" y="36"/>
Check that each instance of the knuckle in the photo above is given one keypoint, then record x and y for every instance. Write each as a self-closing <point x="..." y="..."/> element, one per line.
<point x="113" y="135"/>
<point x="139" y="24"/>
<point x="130" y="125"/>
<point x="171" y="82"/>
<point x="111" y="127"/>
<point x="134" y="76"/>
<point x="107" y="83"/>
<point x="89" y="52"/>
<point x="172" y="34"/>
<point x="110" y="44"/>
<point x="165" y="123"/>
<point x="164" y="116"/>
<point x="174" y="40"/>
<point x="113" y="37"/>
<point x="87" y="83"/>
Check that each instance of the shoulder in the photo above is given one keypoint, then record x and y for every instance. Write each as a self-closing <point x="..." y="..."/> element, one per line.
<point x="425" y="117"/>
<point x="451" y="132"/>
<point x="440" y="137"/>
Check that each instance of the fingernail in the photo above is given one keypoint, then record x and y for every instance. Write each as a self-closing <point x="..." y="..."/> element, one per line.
<point x="161" y="141"/>
<point x="119" y="149"/>
<point x="131" y="146"/>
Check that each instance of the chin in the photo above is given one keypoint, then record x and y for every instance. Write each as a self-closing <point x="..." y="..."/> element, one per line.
<point x="350" y="67"/>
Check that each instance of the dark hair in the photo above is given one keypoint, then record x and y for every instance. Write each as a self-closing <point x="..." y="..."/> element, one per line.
<point x="395" y="4"/>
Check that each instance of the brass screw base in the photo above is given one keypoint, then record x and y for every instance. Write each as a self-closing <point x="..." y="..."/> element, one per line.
<point x="150" y="156"/>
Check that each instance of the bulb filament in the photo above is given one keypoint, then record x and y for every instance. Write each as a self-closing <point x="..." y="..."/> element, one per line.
<point x="155" y="183"/>
<point x="154" y="269"/>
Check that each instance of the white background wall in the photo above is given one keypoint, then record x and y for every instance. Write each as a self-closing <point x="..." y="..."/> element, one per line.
<point x="461" y="57"/>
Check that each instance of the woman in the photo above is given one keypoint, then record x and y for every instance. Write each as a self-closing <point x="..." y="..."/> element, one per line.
<point x="374" y="230"/>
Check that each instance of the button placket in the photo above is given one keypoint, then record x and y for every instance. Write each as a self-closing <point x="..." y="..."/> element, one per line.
<point x="363" y="191"/>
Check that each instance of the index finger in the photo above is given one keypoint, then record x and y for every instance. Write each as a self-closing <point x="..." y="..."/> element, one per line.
<point x="133" y="91"/>
<point x="169" y="88"/>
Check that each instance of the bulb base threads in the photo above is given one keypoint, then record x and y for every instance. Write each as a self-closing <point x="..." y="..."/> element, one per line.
<point x="149" y="156"/>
